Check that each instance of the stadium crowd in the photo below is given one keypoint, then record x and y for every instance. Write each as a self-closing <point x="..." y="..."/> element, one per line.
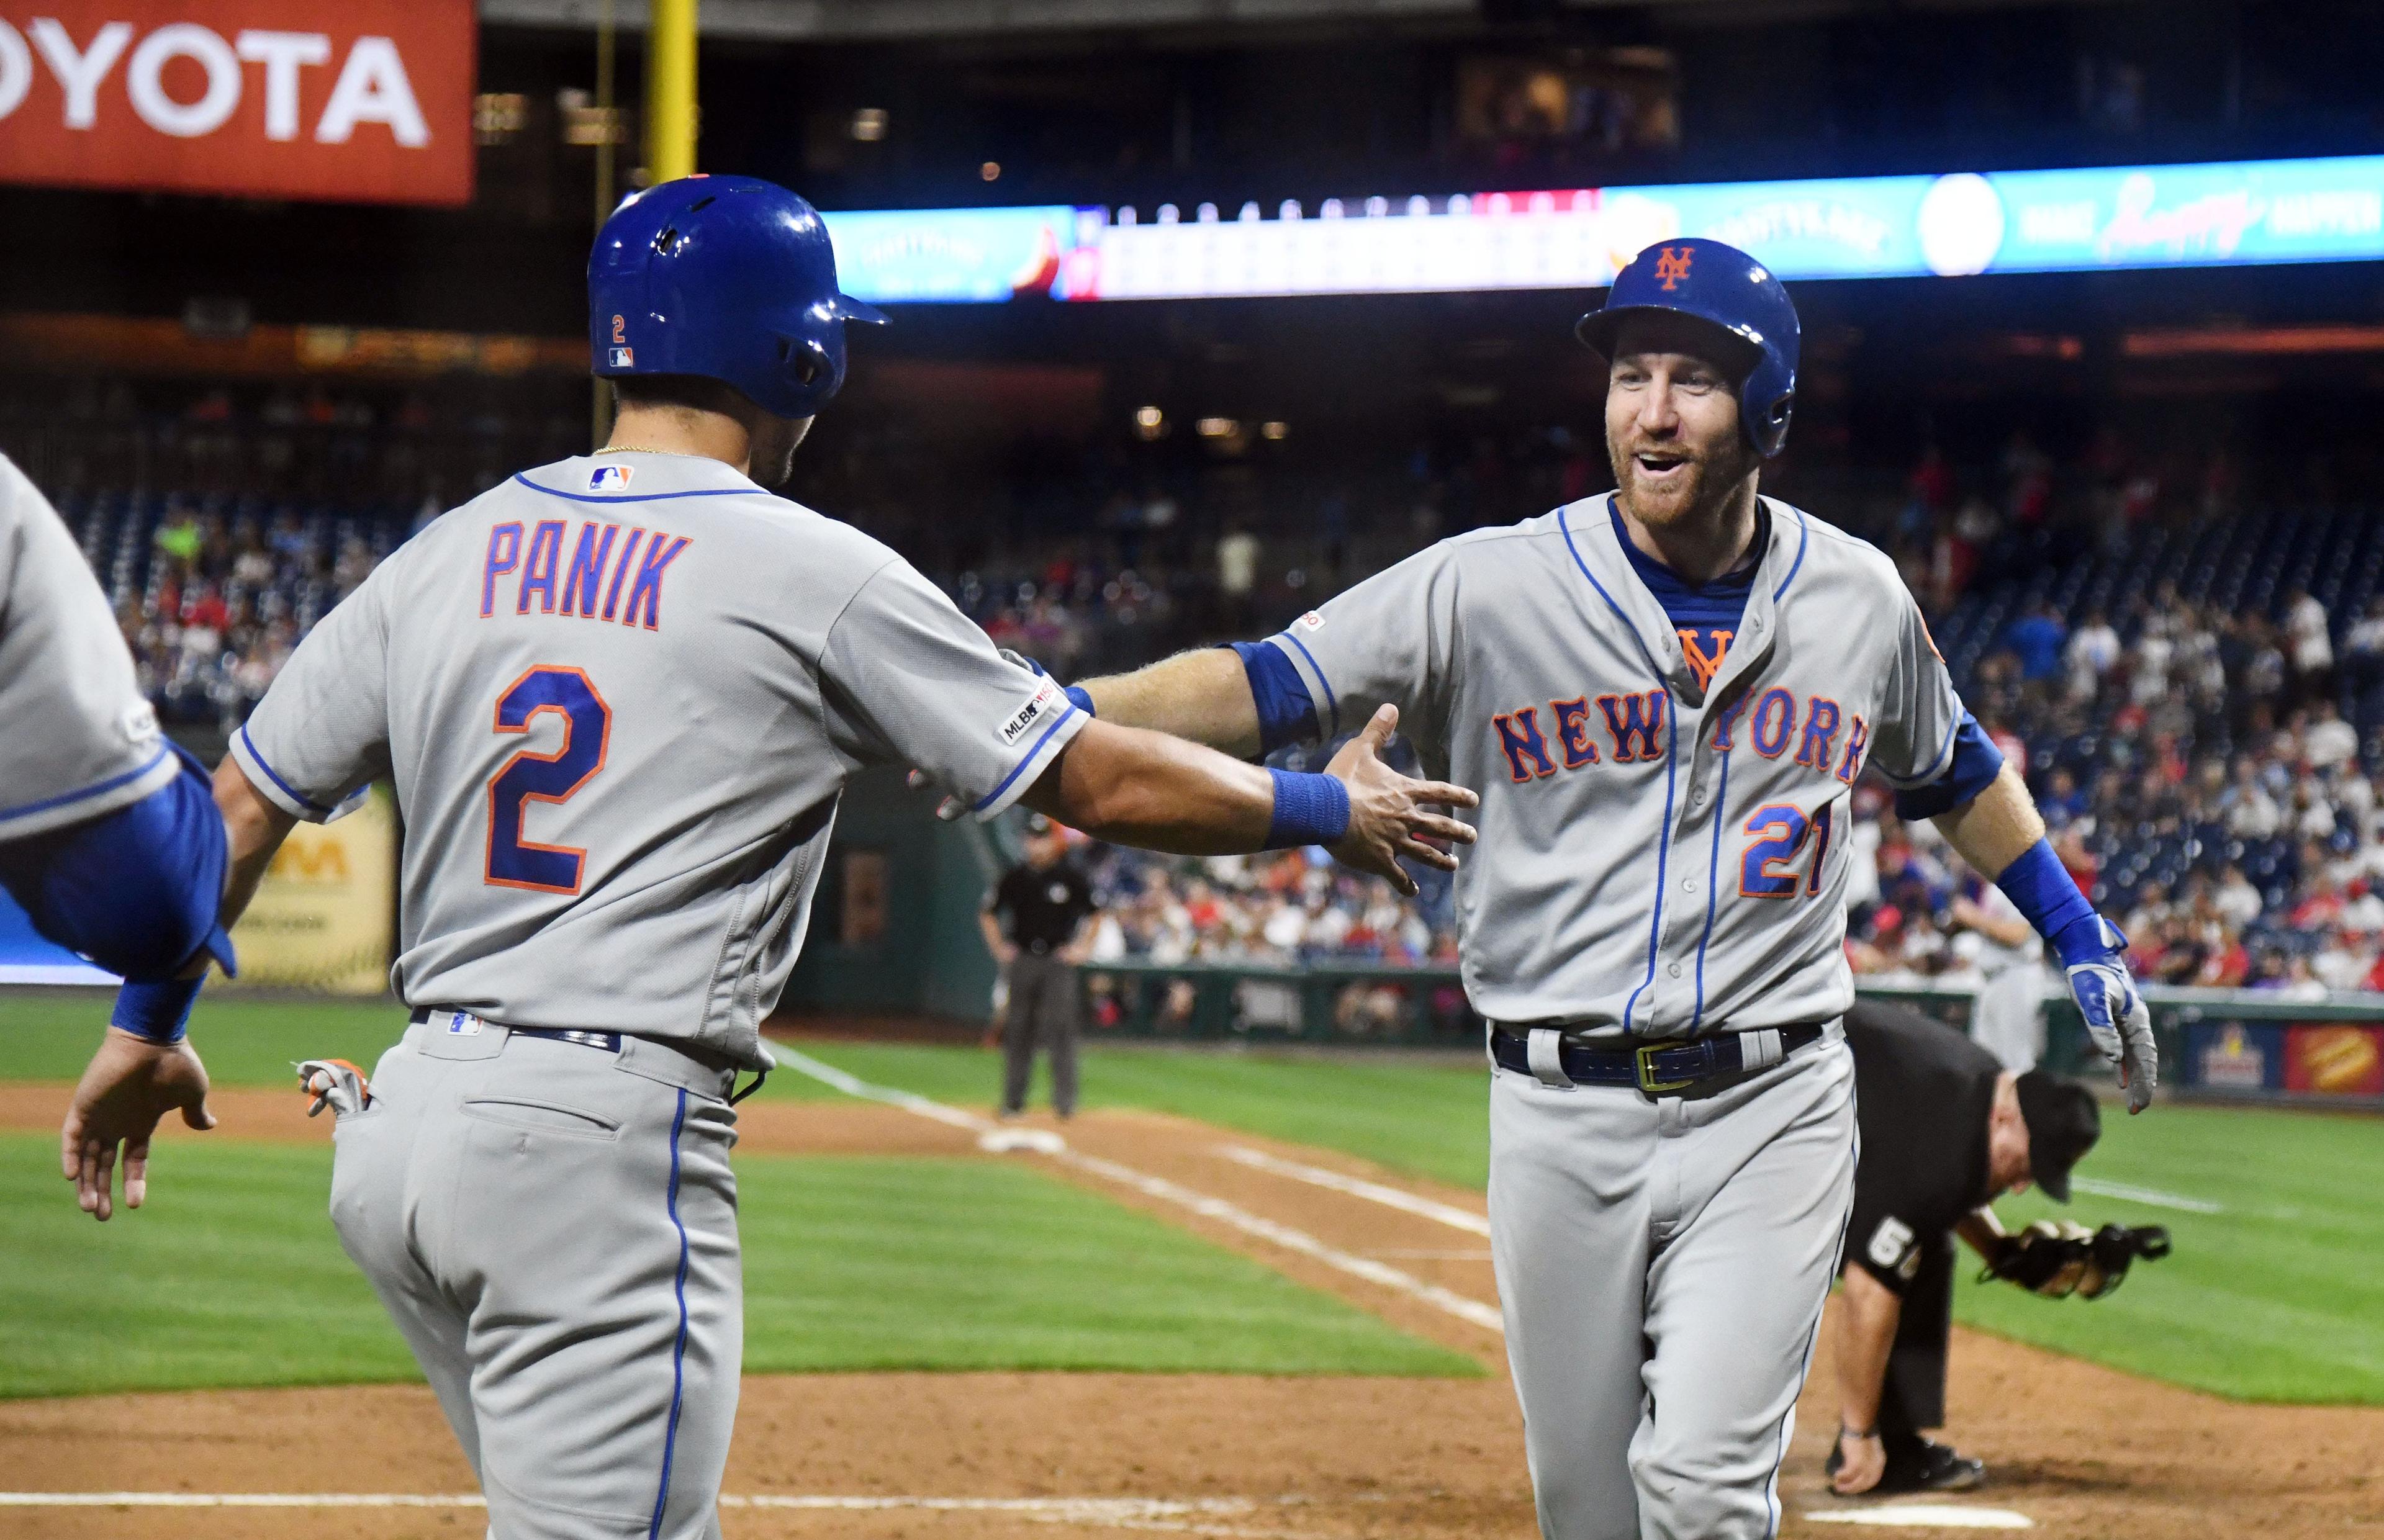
<point x="2207" y="756"/>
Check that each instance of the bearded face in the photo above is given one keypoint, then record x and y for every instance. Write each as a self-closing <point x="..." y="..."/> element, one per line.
<point x="1671" y="421"/>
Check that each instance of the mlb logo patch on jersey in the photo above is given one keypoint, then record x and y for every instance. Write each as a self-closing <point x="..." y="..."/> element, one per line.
<point x="608" y="479"/>
<point x="1038" y="707"/>
<point x="621" y="358"/>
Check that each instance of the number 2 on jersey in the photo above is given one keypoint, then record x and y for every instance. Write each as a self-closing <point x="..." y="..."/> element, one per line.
<point x="530" y="776"/>
<point x="1777" y="832"/>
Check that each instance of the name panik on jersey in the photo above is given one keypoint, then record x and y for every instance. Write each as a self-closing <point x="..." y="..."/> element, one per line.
<point x="610" y="574"/>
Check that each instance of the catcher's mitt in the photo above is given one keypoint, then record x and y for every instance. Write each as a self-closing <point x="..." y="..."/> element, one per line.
<point x="2058" y="1257"/>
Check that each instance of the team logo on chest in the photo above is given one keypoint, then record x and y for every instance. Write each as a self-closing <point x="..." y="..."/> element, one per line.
<point x="1704" y="647"/>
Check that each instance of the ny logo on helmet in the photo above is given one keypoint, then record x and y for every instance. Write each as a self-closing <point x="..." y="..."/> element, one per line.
<point x="1672" y="264"/>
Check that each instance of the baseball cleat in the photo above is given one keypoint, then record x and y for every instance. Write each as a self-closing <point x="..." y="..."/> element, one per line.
<point x="1932" y="1467"/>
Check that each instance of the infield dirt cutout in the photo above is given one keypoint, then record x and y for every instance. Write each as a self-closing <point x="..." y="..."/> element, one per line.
<point x="2083" y="1451"/>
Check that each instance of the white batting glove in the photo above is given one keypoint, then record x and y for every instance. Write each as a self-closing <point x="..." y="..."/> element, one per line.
<point x="2117" y="1018"/>
<point x="336" y="1083"/>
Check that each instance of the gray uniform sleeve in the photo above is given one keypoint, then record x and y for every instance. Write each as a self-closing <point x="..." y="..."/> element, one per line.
<point x="910" y="680"/>
<point x="1913" y="741"/>
<point x="1389" y="640"/>
<point x="321" y="733"/>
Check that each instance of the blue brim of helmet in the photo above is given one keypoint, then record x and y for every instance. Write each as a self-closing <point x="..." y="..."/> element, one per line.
<point x="845" y="307"/>
<point x="1599" y="330"/>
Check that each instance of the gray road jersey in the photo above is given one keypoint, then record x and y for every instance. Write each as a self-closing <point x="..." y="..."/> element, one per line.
<point x="619" y="698"/>
<point x="76" y="738"/>
<point x="1655" y="855"/>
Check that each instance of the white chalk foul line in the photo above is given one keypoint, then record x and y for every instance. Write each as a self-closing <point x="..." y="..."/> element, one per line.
<point x="1164" y="1514"/>
<point x="241" y="1501"/>
<point x="2152" y="1196"/>
<point x="1379" y="1274"/>
<point x="1920" y="1516"/>
<point x="1356" y="1186"/>
<point x="1290" y="1239"/>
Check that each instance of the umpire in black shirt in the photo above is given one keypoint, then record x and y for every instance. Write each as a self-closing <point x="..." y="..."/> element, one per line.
<point x="1946" y="1130"/>
<point x="1045" y="899"/>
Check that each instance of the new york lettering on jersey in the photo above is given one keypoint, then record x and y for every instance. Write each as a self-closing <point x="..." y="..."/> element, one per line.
<point x="1633" y="733"/>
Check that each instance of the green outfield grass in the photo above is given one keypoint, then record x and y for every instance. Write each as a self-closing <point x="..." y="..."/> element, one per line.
<point x="48" y="1034"/>
<point x="1428" y="1119"/>
<point x="233" y="1276"/>
<point x="1425" y="1118"/>
<point x="2277" y="1296"/>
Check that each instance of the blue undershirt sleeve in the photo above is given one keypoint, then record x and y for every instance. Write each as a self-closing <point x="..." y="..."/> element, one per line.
<point x="1286" y="712"/>
<point x="1975" y="765"/>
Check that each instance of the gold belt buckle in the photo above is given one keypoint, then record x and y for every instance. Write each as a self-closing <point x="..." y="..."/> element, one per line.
<point x="1644" y="1056"/>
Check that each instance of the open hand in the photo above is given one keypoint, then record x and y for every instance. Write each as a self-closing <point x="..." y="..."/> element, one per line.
<point x="2117" y="1018"/>
<point x="129" y="1085"/>
<point x="1390" y="814"/>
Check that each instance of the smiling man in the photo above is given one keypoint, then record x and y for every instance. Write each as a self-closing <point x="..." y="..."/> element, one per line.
<point x="1664" y="698"/>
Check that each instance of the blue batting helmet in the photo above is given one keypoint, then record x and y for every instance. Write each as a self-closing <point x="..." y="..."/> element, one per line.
<point x="728" y="277"/>
<point x="1724" y="286"/>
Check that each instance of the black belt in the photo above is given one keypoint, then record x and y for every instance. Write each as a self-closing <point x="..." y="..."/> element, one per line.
<point x="608" y="1042"/>
<point x="1656" y="1068"/>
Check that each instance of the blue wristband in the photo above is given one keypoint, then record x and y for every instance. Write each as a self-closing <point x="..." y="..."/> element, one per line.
<point x="1309" y="810"/>
<point x="2043" y="891"/>
<point x="158" y="1011"/>
<point x="1082" y="699"/>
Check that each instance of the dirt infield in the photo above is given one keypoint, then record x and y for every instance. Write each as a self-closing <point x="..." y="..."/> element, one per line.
<point x="2081" y="1451"/>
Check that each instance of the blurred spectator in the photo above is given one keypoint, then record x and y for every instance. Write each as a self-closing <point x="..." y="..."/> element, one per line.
<point x="2313" y="645"/>
<point x="2094" y="651"/>
<point x="1237" y="576"/>
<point x="2037" y="637"/>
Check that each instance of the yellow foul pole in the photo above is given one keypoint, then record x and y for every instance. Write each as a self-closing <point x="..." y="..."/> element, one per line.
<point x="670" y="90"/>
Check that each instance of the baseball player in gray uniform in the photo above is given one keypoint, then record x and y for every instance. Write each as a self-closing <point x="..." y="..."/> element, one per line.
<point x="109" y="840"/>
<point x="619" y="697"/>
<point x="1664" y="698"/>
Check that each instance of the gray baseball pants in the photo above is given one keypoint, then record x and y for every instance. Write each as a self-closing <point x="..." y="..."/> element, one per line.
<point x="554" y="1228"/>
<point x="1662" y="1264"/>
<point x="1044" y="1001"/>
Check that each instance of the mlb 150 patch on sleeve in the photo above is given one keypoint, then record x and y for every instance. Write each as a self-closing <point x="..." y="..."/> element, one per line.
<point x="1043" y="706"/>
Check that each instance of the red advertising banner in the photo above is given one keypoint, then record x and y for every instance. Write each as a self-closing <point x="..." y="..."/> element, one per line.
<point x="2335" y="1061"/>
<point x="368" y="101"/>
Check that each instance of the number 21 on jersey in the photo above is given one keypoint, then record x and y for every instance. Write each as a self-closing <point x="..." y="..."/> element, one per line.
<point x="1776" y="834"/>
<point x="530" y="776"/>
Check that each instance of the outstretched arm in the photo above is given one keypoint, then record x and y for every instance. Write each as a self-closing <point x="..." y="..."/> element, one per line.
<point x="1203" y="695"/>
<point x="132" y="1081"/>
<point x="1138" y="787"/>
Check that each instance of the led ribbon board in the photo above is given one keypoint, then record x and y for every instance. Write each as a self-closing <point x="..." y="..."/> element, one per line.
<point x="2109" y="218"/>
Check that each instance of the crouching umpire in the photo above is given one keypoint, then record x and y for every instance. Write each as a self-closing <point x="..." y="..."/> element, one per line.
<point x="1945" y="1131"/>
